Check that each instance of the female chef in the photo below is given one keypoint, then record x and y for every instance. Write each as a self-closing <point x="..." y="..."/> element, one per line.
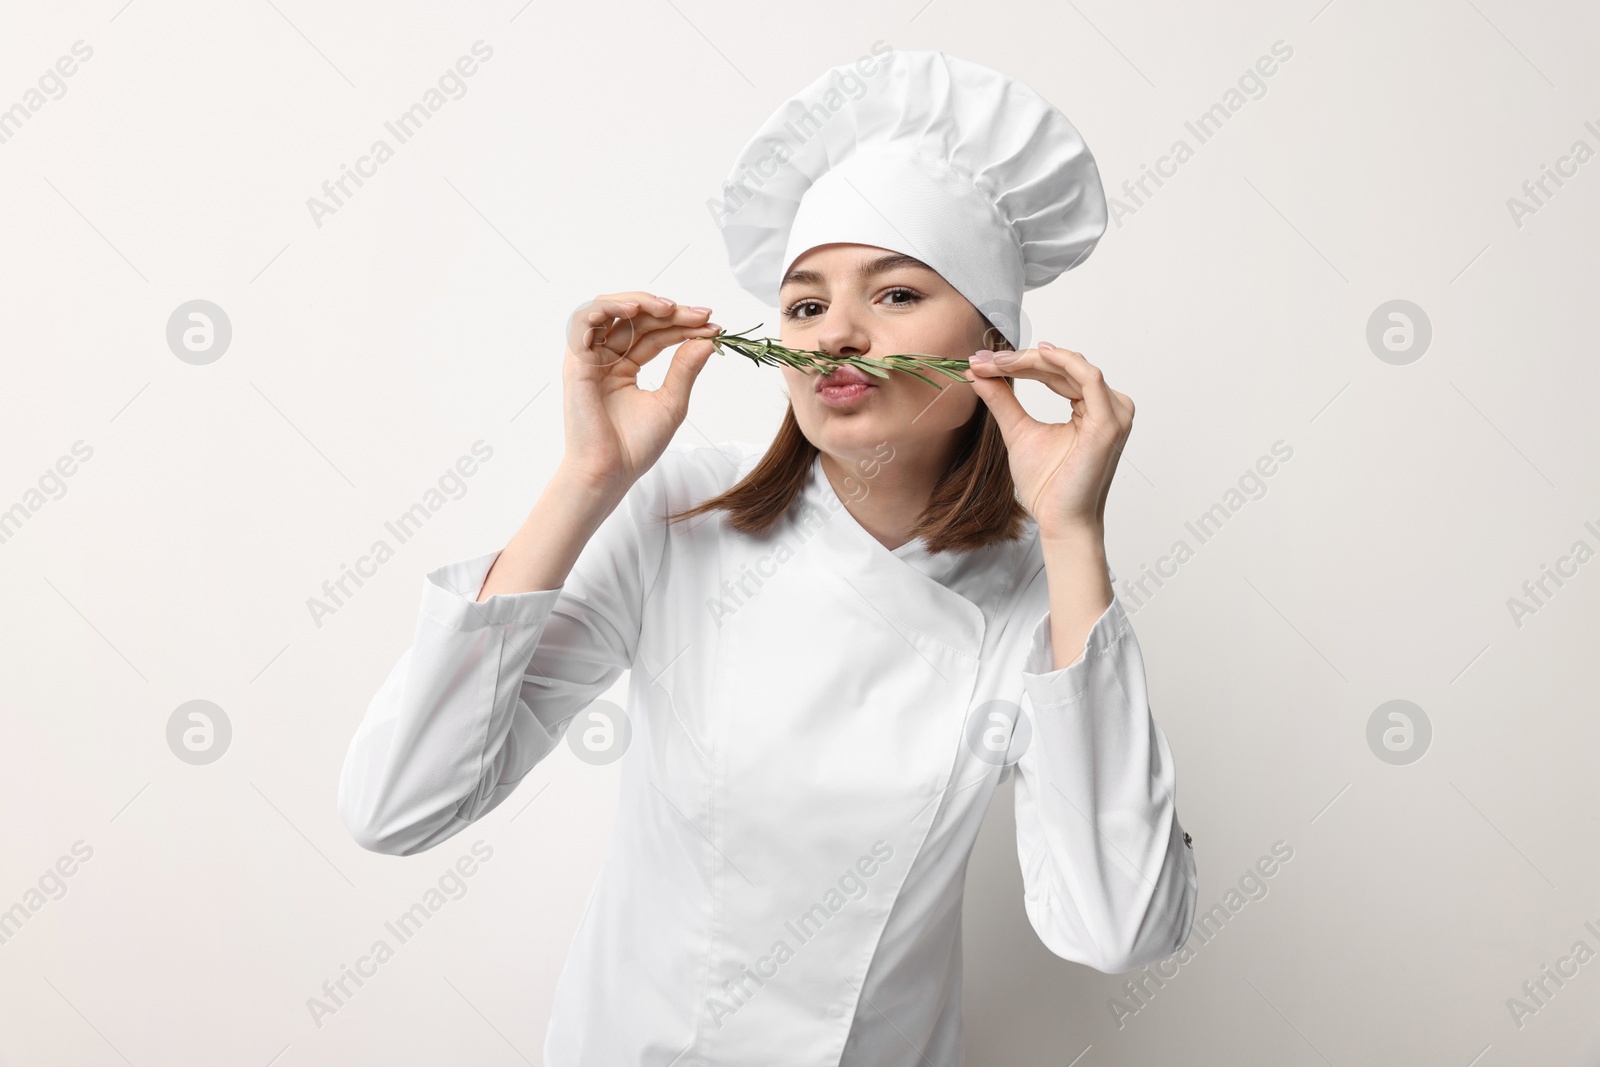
<point x="839" y="645"/>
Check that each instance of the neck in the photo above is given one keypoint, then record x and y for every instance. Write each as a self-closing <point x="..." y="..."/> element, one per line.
<point x="888" y="501"/>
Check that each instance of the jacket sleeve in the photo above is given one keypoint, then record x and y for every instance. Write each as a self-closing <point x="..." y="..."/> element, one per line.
<point x="1108" y="876"/>
<point x="486" y="690"/>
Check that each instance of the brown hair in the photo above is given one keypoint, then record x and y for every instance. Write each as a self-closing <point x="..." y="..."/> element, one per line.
<point x="973" y="505"/>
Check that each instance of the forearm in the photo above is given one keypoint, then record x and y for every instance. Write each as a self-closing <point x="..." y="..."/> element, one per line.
<point x="1108" y="879"/>
<point x="543" y="551"/>
<point x="1080" y="588"/>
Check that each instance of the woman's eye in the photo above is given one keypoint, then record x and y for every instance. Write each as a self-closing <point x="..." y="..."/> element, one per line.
<point x="911" y="296"/>
<point x="798" y="310"/>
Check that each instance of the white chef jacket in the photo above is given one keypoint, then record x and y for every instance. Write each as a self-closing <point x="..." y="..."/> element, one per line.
<point x="799" y="796"/>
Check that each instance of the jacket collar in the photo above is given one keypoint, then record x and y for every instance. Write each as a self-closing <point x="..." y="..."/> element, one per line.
<point x="902" y="593"/>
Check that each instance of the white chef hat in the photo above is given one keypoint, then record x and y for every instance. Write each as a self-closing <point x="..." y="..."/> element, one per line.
<point x="922" y="153"/>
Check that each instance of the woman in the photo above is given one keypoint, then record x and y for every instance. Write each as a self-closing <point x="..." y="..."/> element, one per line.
<point x="823" y="694"/>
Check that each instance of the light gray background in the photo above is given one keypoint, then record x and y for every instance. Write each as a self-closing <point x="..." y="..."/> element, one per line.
<point x="427" y="313"/>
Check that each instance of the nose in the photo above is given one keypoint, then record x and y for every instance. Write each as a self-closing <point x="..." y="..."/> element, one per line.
<point x="843" y="333"/>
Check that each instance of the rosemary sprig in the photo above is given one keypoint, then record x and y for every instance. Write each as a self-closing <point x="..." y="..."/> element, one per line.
<point x="766" y="350"/>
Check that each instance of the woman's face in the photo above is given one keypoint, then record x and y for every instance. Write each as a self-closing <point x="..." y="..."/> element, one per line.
<point x="858" y="300"/>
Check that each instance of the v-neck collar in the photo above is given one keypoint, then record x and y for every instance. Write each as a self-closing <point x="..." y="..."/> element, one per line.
<point x="936" y="565"/>
<point x="886" y="577"/>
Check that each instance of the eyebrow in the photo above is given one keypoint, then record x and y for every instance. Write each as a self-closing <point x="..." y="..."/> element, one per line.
<point x="881" y="265"/>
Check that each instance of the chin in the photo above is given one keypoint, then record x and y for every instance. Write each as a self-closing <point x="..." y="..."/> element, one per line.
<point x="853" y="434"/>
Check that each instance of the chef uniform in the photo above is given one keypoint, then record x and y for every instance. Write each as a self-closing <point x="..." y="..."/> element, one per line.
<point x="815" y="723"/>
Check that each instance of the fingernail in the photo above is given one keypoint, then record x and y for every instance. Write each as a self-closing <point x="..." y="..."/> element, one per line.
<point x="1046" y="344"/>
<point x="713" y="326"/>
<point x="1003" y="358"/>
<point x="983" y="355"/>
<point x="706" y="310"/>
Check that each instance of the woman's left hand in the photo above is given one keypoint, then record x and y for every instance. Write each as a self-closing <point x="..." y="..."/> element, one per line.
<point x="1062" y="470"/>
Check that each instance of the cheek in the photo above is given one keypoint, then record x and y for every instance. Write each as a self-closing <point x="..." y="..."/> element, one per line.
<point x="951" y="330"/>
<point x="796" y="381"/>
<point x="934" y="411"/>
<point x="959" y="405"/>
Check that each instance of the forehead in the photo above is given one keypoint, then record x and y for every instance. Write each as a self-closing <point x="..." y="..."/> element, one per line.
<point x="844" y="261"/>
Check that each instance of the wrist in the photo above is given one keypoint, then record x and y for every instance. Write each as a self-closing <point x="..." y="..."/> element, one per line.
<point x="1082" y="534"/>
<point x="572" y="481"/>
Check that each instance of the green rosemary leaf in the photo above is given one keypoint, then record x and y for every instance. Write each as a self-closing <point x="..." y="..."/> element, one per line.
<point x="871" y="367"/>
<point x="952" y="372"/>
<point x="914" y="374"/>
<point x="765" y="350"/>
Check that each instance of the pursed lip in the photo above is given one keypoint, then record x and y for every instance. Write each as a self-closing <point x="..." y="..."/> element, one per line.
<point x="843" y="375"/>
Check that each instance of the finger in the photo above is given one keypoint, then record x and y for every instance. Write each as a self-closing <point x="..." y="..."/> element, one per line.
<point x="649" y="303"/>
<point x="674" y="315"/>
<point x="609" y="327"/>
<point x="588" y="325"/>
<point x="610" y="306"/>
<point x="1003" y="404"/>
<point x="1026" y="364"/>
<point x="1067" y="373"/>
<point x="1125" y="406"/>
<point x="625" y="334"/>
<point x="1090" y="379"/>
<point x="653" y="304"/>
<point x="685" y="367"/>
<point x="651" y="344"/>
<point x="653" y="310"/>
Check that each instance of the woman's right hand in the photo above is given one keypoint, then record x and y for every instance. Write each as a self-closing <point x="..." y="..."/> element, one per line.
<point x="616" y="431"/>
